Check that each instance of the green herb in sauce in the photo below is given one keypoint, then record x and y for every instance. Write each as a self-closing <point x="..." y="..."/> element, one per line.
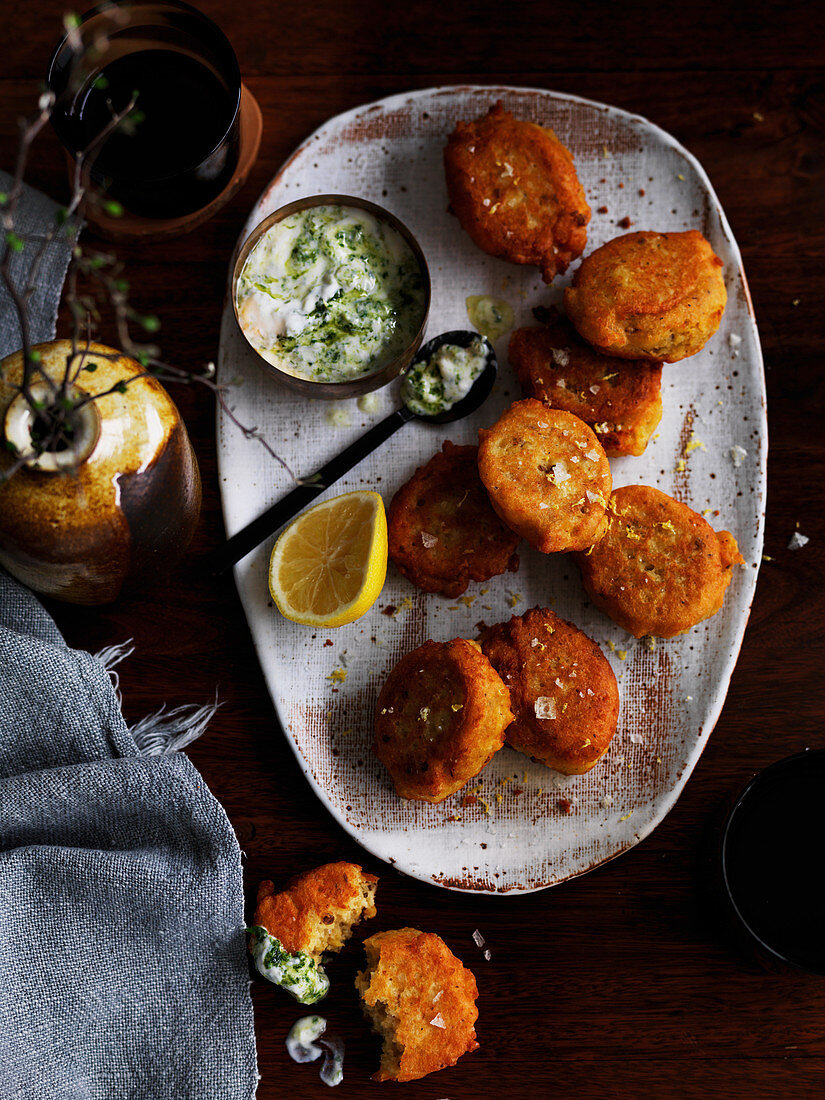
<point x="302" y="1044"/>
<point x="491" y="316"/>
<point x="330" y="293"/>
<point x="299" y="974"/>
<point x="434" y="385"/>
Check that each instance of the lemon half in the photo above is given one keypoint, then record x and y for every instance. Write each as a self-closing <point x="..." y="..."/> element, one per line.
<point x="329" y="566"/>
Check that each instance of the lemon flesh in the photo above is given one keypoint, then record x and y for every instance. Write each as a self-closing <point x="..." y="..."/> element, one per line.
<point x="329" y="566"/>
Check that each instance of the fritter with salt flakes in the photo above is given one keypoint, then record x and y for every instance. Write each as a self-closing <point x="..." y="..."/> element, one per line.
<point x="562" y="690"/>
<point x="620" y="399"/>
<point x="440" y="717"/>
<point x="421" y="1000"/>
<point x="442" y="529"/>
<point x="547" y="476"/>
<point x="317" y="910"/>
<point x="660" y="568"/>
<point x="649" y="296"/>
<point x="513" y="186"/>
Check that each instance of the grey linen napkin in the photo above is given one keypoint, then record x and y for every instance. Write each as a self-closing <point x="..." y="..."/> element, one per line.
<point x="123" y="968"/>
<point x="35" y="214"/>
<point x="123" y="972"/>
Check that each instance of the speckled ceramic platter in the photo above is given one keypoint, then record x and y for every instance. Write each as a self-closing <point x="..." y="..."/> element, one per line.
<point x="523" y="827"/>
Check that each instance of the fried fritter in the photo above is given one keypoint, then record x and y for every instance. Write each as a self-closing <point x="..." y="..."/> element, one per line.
<point x="620" y="399"/>
<point x="562" y="689"/>
<point x="659" y="569"/>
<point x="440" y="717"/>
<point x="317" y="910"/>
<point x="547" y="475"/>
<point x="649" y="295"/>
<point x="421" y="1000"/>
<point x="442" y="530"/>
<point x="513" y="186"/>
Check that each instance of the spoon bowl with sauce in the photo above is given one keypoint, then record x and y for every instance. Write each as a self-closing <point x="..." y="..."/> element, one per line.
<point x="450" y="377"/>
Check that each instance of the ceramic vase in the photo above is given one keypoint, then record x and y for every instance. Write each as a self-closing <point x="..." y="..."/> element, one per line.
<point x="115" y="507"/>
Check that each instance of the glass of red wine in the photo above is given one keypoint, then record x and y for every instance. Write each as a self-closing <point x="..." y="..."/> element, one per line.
<point x="181" y="147"/>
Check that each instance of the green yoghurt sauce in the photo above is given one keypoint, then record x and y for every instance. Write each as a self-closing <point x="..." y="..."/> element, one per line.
<point x="436" y="384"/>
<point x="330" y="294"/>
<point x="299" y="974"/>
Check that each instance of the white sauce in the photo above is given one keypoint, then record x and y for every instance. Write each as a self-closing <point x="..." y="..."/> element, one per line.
<point x="303" y="1046"/>
<point x="330" y="293"/>
<point x="298" y="974"/>
<point x="436" y="384"/>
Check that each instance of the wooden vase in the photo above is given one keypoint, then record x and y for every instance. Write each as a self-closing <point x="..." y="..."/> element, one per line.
<point x="119" y="506"/>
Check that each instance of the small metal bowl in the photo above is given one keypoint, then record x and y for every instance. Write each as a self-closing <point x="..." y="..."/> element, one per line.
<point x="336" y="391"/>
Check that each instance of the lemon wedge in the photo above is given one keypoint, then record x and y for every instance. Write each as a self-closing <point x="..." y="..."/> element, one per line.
<point x="329" y="566"/>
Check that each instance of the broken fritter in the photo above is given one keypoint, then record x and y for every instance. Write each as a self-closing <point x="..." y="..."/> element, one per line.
<point x="442" y="529"/>
<point x="620" y="399"/>
<point x="440" y="717"/>
<point x="547" y="476"/>
<point x="660" y="568"/>
<point x="649" y="296"/>
<point x="421" y="999"/>
<point x="313" y="915"/>
<point x="513" y="186"/>
<point x="563" y="691"/>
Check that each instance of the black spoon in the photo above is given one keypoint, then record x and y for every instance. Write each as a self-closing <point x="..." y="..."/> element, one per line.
<point x="294" y="502"/>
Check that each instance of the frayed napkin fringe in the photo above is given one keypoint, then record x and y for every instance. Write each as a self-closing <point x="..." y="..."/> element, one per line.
<point x="166" y="730"/>
<point x="110" y="657"/>
<point x="172" y="730"/>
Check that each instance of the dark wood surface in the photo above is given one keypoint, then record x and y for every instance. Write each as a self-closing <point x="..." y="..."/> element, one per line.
<point x="623" y="983"/>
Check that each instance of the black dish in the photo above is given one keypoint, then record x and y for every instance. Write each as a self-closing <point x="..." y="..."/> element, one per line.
<point x="771" y="862"/>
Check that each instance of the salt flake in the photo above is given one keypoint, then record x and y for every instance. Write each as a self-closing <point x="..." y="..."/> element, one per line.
<point x="428" y="540"/>
<point x="478" y="939"/>
<point x="545" y="707"/>
<point x="438" y="1021"/>
<point x="798" y="541"/>
<point x="738" y="455"/>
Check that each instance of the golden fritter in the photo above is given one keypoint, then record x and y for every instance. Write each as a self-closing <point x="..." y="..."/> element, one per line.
<point x="440" y="717"/>
<point x="562" y="690"/>
<point x="620" y="399"/>
<point x="421" y="1000"/>
<point x="649" y="296"/>
<point x="442" y="530"/>
<point x="547" y="475"/>
<point x="659" y="569"/>
<point x="513" y="186"/>
<point x="317" y="910"/>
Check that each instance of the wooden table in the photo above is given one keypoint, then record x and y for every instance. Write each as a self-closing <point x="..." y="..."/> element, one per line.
<point x="622" y="983"/>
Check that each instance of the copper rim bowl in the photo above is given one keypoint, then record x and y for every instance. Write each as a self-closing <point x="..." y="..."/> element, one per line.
<point x="336" y="391"/>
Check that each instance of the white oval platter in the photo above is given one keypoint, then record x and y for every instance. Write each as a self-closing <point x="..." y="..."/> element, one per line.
<point x="523" y="826"/>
